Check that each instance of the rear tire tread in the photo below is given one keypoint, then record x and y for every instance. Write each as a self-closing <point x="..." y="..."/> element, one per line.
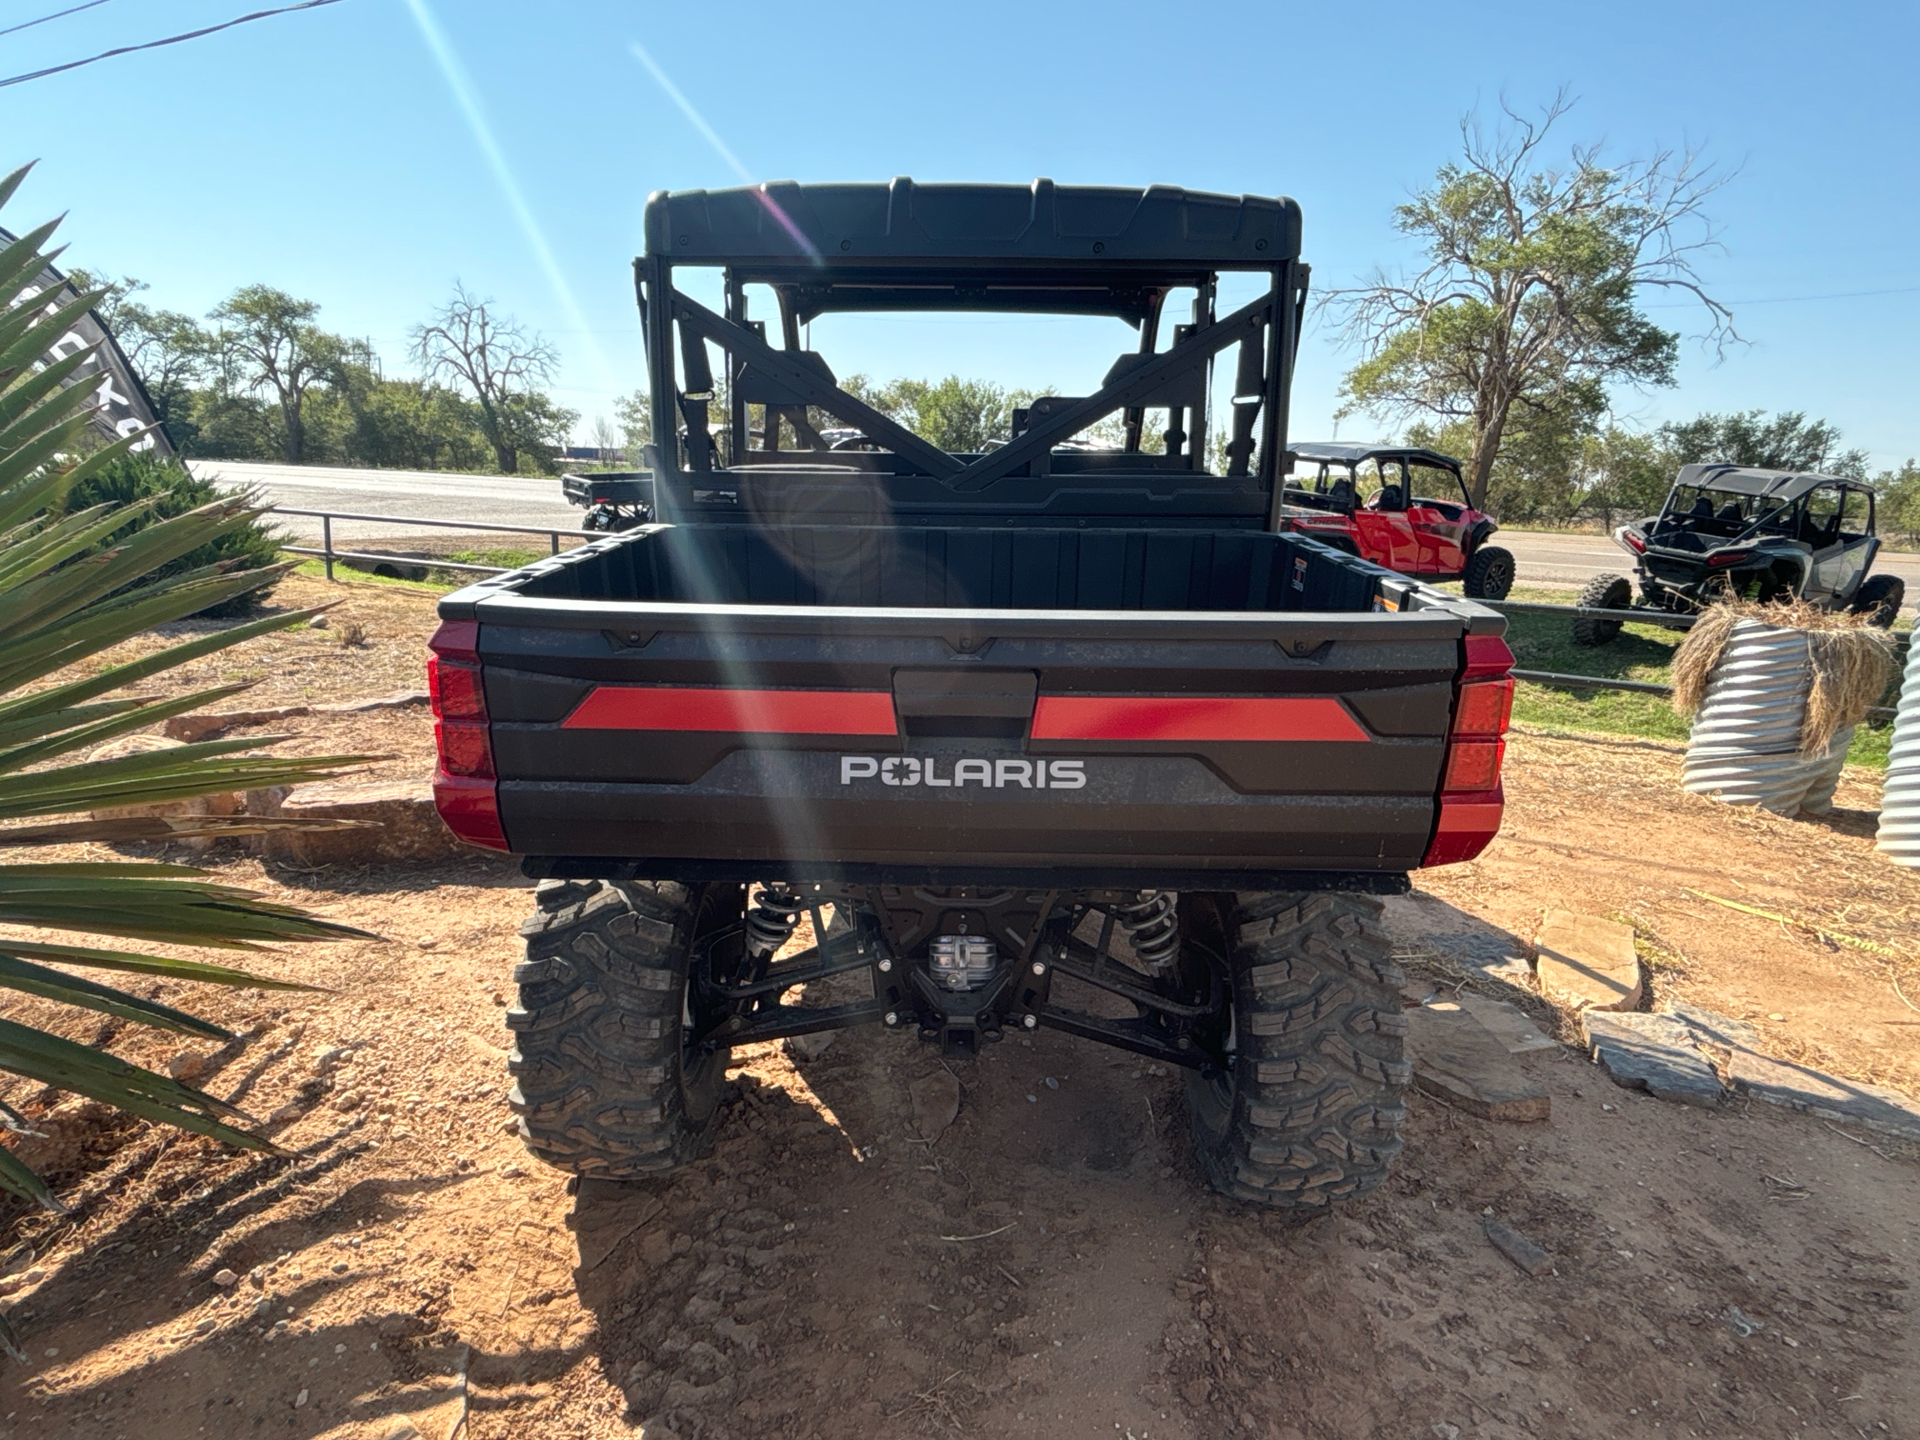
<point x="1320" y="1073"/>
<point x="597" y="1032"/>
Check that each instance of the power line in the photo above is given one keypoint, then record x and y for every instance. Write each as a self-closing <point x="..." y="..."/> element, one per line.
<point x="58" y="14"/>
<point x="156" y="44"/>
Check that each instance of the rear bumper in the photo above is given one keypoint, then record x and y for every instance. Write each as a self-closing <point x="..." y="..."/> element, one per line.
<point x="792" y="812"/>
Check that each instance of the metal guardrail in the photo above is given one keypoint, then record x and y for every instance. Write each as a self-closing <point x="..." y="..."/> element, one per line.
<point x="328" y="554"/>
<point x="1665" y="618"/>
<point x="1642" y="687"/>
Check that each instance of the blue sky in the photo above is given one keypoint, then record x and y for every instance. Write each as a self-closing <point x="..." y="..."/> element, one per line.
<point x="329" y="153"/>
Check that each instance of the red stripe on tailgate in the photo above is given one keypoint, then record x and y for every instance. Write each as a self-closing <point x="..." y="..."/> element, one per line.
<point x="1131" y="717"/>
<point x="760" y="712"/>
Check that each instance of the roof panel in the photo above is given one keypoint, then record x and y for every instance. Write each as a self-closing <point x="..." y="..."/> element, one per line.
<point x="1040" y="225"/>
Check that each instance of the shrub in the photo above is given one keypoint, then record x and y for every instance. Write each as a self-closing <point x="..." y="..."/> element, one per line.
<point x="174" y="491"/>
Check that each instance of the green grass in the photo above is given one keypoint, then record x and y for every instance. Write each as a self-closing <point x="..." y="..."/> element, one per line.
<point x="1640" y="652"/>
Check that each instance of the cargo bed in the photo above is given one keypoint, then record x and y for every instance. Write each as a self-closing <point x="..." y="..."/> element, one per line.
<point x="967" y="706"/>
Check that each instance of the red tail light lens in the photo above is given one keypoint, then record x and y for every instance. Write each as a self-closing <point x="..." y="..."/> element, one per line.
<point x="1635" y="542"/>
<point x="464" y="787"/>
<point x="1471" y="799"/>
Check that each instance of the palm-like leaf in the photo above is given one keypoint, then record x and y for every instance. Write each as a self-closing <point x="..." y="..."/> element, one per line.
<point x="71" y="588"/>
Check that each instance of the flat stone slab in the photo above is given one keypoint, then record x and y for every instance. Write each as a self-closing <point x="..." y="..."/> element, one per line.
<point x="1710" y="1028"/>
<point x="1654" y="1053"/>
<point x="1780" y="1082"/>
<point x="1587" y="962"/>
<point x="1507" y="1023"/>
<point x="399" y="816"/>
<point x="1459" y="1060"/>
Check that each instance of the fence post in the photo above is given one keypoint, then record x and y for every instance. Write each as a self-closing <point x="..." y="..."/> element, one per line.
<point x="554" y="537"/>
<point x="326" y="542"/>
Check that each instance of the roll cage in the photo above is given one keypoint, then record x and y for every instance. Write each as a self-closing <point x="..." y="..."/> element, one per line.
<point x="1336" y="480"/>
<point x="1718" y="507"/>
<point x="794" y="444"/>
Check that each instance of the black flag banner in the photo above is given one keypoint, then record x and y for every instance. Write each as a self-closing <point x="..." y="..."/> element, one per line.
<point x="122" y="406"/>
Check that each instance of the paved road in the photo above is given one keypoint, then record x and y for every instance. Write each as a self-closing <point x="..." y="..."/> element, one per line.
<point x="433" y="495"/>
<point x="1543" y="558"/>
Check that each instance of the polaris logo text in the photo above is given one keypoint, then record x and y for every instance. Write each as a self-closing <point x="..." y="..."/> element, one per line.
<point x="988" y="774"/>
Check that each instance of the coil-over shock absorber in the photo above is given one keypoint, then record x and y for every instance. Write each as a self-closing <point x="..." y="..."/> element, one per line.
<point x="1152" y="923"/>
<point x="771" y="915"/>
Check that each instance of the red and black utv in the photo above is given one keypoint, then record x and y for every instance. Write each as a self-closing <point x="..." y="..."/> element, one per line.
<point x="1396" y="506"/>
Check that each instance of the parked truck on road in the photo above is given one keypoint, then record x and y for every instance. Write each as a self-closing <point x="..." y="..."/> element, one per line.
<point x="1066" y="733"/>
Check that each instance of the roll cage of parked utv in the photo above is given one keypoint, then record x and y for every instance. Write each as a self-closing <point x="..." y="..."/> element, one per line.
<point x="1040" y="249"/>
<point x="1337" y="486"/>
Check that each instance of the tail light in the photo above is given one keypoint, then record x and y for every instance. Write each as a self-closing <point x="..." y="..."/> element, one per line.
<point x="1729" y="557"/>
<point x="1634" y="540"/>
<point x="465" y="789"/>
<point x="1471" y="800"/>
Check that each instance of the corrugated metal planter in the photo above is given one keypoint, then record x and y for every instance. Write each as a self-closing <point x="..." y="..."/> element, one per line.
<point x="1745" y="745"/>
<point x="1900" y="810"/>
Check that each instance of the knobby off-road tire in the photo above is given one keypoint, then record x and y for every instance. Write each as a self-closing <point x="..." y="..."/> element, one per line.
<point x="1602" y="592"/>
<point x="603" y="1082"/>
<point x="1489" y="574"/>
<point x="1311" y="1109"/>
<point x="1879" y="598"/>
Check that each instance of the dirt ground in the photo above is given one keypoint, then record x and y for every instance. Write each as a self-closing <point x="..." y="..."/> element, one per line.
<point x="1052" y="1264"/>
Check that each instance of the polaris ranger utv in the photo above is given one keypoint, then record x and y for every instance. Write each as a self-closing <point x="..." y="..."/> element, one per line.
<point x="1056" y="735"/>
<point x="1762" y="535"/>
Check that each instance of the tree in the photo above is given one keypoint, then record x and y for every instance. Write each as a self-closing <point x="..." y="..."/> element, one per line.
<point x="958" y="415"/>
<point x="499" y="364"/>
<point x="1899" y="503"/>
<point x="634" y="414"/>
<point x="1789" y="441"/>
<point x="268" y="343"/>
<point x="1527" y="304"/>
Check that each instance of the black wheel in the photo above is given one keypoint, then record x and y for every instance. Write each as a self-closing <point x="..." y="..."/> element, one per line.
<point x="1489" y="574"/>
<point x="605" y="1081"/>
<point x="1602" y="592"/>
<point x="1879" y="598"/>
<point x="1306" y="1104"/>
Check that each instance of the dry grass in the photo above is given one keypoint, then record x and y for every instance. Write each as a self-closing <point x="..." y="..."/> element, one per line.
<point x="1852" y="662"/>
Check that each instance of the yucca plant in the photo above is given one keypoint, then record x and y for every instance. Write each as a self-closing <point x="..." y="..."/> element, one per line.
<point x="71" y="586"/>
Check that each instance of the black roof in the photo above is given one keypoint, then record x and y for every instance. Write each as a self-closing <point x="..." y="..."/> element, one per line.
<point x="830" y="226"/>
<point x="1786" y="485"/>
<point x="1315" y="451"/>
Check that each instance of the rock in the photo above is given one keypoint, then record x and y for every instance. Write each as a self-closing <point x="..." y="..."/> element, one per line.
<point x="1588" y="963"/>
<point x="191" y="728"/>
<point x="1459" y="1060"/>
<point x="1508" y="1023"/>
<point x="186" y="1066"/>
<point x="1517" y="1247"/>
<point x="300" y="1399"/>
<point x="286" y="1113"/>
<point x="399" y="700"/>
<point x="1654" y="1053"/>
<point x="224" y="803"/>
<point x="401" y="824"/>
<point x="1195" y="1392"/>
<point x="225" y="1279"/>
<point x="812" y="1047"/>
<point x="319" y="622"/>
<point x="1778" y="1082"/>
<point x="205" y="1327"/>
<point x="936" y="1103"/>
<point x="1715" y="1029"/>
